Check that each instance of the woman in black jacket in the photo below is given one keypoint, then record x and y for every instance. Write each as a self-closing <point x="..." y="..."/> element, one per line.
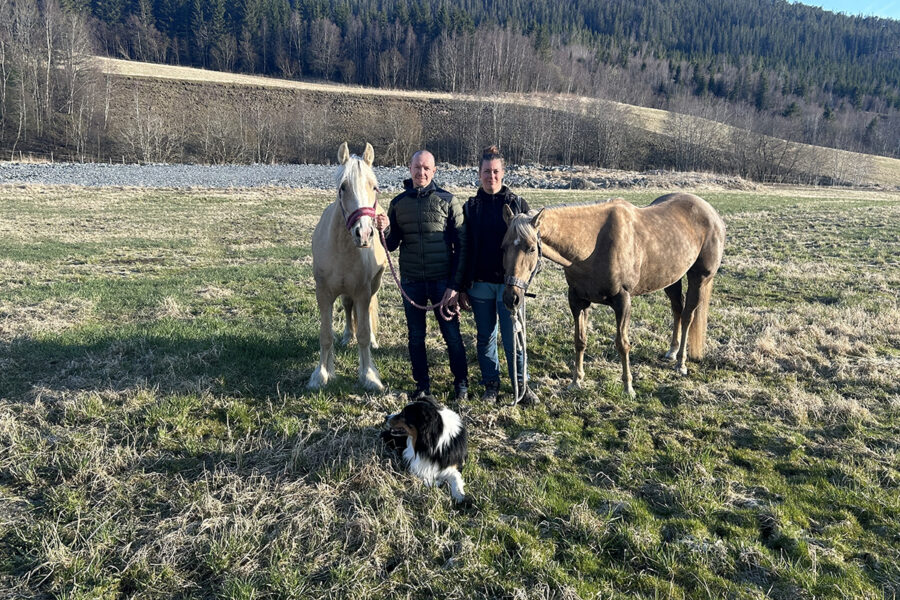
<point x="483" y="283"/>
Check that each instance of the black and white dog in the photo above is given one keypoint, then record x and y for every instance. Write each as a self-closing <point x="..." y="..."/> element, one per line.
<point x="433" y="442"/>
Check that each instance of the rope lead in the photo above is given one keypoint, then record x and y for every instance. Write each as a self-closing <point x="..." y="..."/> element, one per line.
<point x="520" y="340"/>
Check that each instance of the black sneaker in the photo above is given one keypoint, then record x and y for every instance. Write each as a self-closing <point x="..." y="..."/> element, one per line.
<point x="529" y="398"/>
<point x="419" y="393"/>
<point x="461" y="392"/>
<point x="491" y="391"/>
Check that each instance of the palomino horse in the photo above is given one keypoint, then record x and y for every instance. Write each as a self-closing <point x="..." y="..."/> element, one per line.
<point x="612" y="251"/>
<point x="348" y="261"/>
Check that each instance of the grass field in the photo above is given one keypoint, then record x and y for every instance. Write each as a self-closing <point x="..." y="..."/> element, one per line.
<point x="157" y="439"/>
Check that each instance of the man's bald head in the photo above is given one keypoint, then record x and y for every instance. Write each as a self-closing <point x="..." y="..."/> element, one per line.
<point x="421" y="168"/>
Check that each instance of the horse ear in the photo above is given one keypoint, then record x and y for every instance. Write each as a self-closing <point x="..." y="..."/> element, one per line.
<point x="343" y="153"/>
<point x="536" y="221"/>
<point x="369" y="154"/>
<point x="507" y="214"/>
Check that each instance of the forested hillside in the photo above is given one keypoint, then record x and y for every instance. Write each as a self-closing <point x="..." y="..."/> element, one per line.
<point x="784" y="70"/>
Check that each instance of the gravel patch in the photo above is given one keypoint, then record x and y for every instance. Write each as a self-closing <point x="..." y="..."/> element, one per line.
<point x="321" y="177"/>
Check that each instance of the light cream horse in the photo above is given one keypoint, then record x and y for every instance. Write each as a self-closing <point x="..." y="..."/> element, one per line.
<point x="348" y="261"/>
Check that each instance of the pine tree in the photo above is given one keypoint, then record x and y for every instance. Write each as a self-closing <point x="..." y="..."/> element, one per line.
<point x="200" y="31"/>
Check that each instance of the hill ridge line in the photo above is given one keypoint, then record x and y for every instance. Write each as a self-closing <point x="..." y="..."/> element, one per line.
<point x="884" y="170"/>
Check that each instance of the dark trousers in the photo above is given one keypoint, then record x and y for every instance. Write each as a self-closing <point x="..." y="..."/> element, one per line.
<point x="423" y="293"/>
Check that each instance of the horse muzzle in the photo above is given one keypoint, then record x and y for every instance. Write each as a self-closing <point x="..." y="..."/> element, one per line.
<point x="512" y="297"/>
<point x="363" y="234"/>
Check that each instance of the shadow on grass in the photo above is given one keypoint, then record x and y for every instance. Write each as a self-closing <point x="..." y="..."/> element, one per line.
<point x="249" y="363"/>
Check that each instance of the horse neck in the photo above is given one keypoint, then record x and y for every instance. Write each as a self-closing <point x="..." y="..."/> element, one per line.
<point x="338" y="227"/>
<point x="560" y="228"/>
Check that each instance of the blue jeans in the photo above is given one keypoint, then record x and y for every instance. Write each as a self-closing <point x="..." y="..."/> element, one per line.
<point x="488" y="308"/>
<point x="431" y="292"/>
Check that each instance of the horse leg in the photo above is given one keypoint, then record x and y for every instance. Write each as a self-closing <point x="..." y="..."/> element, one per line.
<point x="325" y="369"/>
<point x="691" y="300"/>
<point x="373" y="307"/>
<point x="349" y="320"/>
<point x="621" y="304"/>
<point x="373" y="322"/>
<point x="368" y="373"/>
<point x="579" y="309"/>
<point x="677" y="301"/>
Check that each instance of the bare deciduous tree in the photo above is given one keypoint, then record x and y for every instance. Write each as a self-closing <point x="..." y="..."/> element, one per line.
<point x="404" y="132"/>
<point x="152" y="133"/>
<point x="324" y="43"/>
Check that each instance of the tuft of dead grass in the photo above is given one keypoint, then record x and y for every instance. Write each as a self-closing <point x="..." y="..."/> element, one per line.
<point x="50" y="316"/>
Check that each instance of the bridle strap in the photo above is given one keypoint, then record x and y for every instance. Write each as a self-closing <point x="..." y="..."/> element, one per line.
<point x="356" y="215"/>
<point x="515" y="281"/>
<point x="523" y="285"/>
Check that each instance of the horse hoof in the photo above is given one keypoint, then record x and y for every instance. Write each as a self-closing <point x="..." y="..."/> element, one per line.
<point x="682" y="369"/>
<point x="318" y="379"/>
<point x="630" y="391"/>
<point x="671" y="355"/>
<point x="371" y="382"/>
<point x="374" y="386"/>
<point x="575" y="385"/>
<point x="373" y="344"/>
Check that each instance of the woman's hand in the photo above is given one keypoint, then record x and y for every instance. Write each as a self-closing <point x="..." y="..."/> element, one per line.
<point x="464" y="301"/>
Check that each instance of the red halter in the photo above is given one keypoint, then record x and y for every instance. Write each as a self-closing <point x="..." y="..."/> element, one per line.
<point x="356" y="215"/>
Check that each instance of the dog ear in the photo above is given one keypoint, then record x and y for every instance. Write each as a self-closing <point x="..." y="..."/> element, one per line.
<point x="423" y="416"/>
<point x="429" y="434"/>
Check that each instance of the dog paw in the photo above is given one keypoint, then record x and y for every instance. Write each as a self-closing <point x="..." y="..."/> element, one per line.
<point x="465" y="503"/>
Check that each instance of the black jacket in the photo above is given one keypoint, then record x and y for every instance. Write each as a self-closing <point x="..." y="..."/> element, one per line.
<point x="428" y="227"/>
<point x="485" y="229"/>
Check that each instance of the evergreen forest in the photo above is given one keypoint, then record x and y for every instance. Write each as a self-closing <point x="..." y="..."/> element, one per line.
<point x="769" y="66"/>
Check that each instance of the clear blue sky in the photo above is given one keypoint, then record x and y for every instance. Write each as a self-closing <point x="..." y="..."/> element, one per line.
<point x="868" y="8"/>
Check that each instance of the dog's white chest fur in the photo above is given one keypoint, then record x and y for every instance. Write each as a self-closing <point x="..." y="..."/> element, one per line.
<point x="429" y="471"/>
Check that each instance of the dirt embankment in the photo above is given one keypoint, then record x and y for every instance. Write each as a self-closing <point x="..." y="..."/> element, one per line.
<point x="164" y="113"/>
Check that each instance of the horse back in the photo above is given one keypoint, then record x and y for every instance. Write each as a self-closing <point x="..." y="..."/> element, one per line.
<point x="678" y="233"/>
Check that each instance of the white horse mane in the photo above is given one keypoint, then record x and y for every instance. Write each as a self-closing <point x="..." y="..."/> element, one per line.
<point x="355" y="172"/>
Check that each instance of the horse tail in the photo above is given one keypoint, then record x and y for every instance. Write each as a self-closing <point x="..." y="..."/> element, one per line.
<point x="697" y="330"/>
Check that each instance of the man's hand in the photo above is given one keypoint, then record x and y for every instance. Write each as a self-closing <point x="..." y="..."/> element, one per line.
<point x="382" y="222"/>
<point x="450" y="305"/>
<point x="464" y="302"/>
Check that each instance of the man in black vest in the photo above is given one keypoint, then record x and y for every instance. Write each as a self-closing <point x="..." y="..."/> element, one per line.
<point x="426" y="223"/>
